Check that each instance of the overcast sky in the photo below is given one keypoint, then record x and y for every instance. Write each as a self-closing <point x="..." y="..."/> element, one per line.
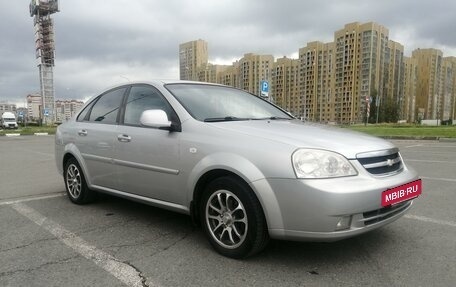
<point x="103" y="43"/>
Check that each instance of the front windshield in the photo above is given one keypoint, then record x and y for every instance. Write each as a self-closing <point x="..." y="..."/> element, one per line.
<point x="9" y="120"/>
<point x="219" y="103"/>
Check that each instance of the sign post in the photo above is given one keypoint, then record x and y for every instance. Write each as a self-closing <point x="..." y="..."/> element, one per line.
<point x="368" y="101"/>
<point x="46" y="115"/>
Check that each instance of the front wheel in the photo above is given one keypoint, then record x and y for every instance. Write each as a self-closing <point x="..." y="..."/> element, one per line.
<point x="232" y="218"/>
<point x="75" y="183"/>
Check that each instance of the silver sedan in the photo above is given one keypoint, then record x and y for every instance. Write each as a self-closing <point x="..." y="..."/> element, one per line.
<point x="243" y="168"/>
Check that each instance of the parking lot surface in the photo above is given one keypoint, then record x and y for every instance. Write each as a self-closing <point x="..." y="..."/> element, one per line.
<point x="47" y="241"/>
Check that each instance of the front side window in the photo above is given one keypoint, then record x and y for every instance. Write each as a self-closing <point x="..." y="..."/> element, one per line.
<point x="140" y="99"/>
<point x="217" y="103"/>
<point x="105" y="110"/>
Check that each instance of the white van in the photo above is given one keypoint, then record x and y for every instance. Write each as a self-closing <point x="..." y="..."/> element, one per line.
<point x="9" y="121"/>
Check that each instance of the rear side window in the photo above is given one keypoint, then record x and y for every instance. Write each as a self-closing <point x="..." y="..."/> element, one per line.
<point x="82" y="116"/>
<point x="106" y="109"/>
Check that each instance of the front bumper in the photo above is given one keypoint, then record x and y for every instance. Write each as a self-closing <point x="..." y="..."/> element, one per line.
<point x="10" y="126"/>
<point x="329" y="209"/>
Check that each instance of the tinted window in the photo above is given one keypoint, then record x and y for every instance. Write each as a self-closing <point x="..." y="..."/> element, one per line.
<point x="143" y="98"/>
<point x="106" y="108"/>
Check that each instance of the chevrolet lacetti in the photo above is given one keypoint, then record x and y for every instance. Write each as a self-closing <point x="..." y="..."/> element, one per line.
<point x="243" y="168"/>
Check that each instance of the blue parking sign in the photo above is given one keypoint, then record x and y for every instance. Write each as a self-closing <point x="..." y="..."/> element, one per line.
<point x="264" y="86"/>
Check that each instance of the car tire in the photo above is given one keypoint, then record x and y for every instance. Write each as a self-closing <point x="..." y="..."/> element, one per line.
<point x="232" y="218"/>
<point x="75" y="183"/>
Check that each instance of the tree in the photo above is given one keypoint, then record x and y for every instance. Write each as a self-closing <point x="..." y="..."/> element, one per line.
<point x="388" y="110"/>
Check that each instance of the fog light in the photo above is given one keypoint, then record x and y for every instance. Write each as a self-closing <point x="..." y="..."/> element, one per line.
<point x="344" y="223"/>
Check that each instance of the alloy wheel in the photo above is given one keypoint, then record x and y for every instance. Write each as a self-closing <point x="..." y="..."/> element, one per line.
<point x="74" y="181"/>
<point x="226" y="219"/>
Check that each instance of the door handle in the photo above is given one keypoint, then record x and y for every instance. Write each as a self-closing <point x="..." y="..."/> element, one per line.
<point x="82" y="133"/>
<point x="124" y="138"/>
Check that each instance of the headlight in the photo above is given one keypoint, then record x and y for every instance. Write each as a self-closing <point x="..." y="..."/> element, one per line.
<point x="314" y="163"/>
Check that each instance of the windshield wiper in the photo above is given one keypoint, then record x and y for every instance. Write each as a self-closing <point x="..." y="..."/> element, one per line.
<point x="224" y="119"/>
<point x="272" y="118"/>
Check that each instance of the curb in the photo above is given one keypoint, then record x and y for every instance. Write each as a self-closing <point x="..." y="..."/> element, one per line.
<point x="41" y="134"/>
<point x="419" y="138"/>
<point x="12" y="135"/>
<point x="447" y="139"/>
<point x="410" y="138"/>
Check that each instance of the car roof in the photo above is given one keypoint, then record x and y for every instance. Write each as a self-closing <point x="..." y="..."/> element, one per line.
<point x="164" y="82"/>
<point x="161" y="82"/>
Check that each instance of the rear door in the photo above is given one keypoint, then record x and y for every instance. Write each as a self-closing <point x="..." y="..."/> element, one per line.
<point x="95" y="135"/>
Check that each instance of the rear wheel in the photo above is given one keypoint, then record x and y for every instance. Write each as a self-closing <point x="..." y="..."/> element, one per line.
<point x="232" y="218"/>
<point x="75" y="183"/>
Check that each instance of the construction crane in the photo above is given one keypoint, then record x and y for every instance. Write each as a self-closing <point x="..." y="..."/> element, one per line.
<point x="42" y="10"/>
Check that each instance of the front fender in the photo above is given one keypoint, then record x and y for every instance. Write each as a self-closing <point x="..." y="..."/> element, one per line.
<point x="246" y="170"/>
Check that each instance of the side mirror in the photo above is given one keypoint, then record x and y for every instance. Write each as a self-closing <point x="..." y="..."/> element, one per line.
<point x="155" y="119"/>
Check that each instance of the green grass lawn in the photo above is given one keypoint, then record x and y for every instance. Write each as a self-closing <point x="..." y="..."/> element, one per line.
<point x="407" y="131"/>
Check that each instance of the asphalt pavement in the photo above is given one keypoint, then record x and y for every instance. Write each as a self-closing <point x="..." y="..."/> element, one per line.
<point x="47" y="241"/>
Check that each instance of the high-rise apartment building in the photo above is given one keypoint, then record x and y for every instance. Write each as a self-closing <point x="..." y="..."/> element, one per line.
<point x="5" y="107"/>
<point x="34" y="107"/>
<point x="211" y="73"/>
<point x="65" y="109"/>
<point x="410" y="72"/>
<point x="359" y="68"/>
<point x="317" y="84"/>
<point x="285" y="85"/>
<point x="393" y="84"/>
<point x="428" y="88"/>
<point x="193" y="56"/>
<point x="361" y="73"/>
<point x="253" y="69"/>
<point x="230" y="76"/>
<point x="448" y="78"/>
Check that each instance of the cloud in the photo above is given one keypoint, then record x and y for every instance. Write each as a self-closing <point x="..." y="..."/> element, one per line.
<point x="100" y="43"/>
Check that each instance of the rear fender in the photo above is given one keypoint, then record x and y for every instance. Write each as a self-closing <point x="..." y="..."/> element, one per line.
<point x="74" y="151"/>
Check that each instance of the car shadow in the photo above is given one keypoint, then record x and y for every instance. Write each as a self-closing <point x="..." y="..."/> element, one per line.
<point x="362" y="247"/>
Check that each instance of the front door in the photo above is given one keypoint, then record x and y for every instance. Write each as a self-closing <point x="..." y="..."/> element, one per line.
<point x="147" y="159"/>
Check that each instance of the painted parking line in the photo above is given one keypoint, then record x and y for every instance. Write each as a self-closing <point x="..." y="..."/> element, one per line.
<point x="416" y="145"/>
<point x="429" y="161"/>
<point x="431" y="146"/>
<point x="30" y="198"/>
<point x="439" y="178"/>
<point x="126" y="273"/>
<point x="430" y="220"/>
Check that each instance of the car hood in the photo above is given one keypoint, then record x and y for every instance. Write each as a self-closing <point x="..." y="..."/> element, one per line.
<point x="308" y="135"/>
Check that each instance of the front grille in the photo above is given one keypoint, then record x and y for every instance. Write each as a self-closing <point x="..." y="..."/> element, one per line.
<point x="381" y="214"/>
<point x="381" y="162"/>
